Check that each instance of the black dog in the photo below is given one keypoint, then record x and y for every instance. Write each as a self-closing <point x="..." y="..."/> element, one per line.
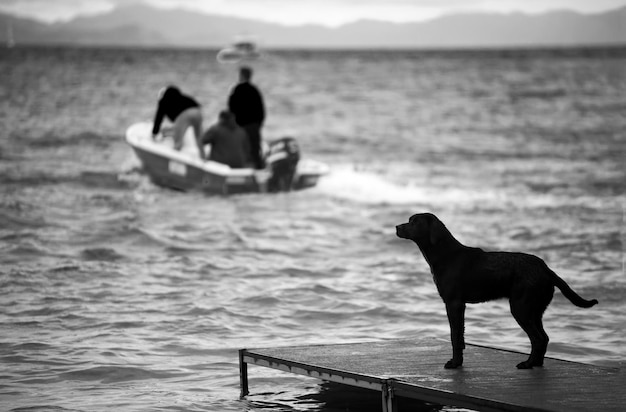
<point x="465" y="274"/>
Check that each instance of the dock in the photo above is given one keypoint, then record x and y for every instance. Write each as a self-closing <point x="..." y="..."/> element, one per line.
<point x="413" y="368"/>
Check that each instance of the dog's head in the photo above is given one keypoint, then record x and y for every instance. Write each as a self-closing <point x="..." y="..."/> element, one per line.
<point x="422" y="228"/>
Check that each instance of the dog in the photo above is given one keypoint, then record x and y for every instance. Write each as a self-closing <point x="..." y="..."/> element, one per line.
<point x="465" y="274"/>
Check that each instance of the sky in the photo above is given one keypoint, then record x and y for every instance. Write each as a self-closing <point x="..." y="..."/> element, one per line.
<point x="294" y="12"/>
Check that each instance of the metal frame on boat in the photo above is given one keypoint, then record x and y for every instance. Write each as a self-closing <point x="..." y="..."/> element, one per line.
<point x="183" y="171"/>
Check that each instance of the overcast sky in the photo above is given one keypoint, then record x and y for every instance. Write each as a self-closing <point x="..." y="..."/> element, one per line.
<point x="327" y="12"/>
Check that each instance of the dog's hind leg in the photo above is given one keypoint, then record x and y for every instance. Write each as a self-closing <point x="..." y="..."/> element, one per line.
<point x="530" y="321"/>
<point x="542" y="341"/>
<point x="456" y="317"/>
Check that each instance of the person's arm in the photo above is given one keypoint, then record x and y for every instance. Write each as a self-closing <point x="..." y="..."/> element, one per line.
<point x="200" y="148"/>
<point x="206" y="138"/>
<point x="158" y="118"/>
<point x="261" y="107"/>
<point x="231" y="101"/>
<point x="236" y="102"/>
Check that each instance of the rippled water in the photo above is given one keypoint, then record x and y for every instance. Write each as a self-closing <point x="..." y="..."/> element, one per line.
<point x="115" y="293"/>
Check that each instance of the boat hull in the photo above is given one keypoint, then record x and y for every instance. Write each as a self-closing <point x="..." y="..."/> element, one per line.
<point x="187" y="172"/>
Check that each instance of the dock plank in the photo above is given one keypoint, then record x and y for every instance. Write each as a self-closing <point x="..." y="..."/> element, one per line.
<point x="488" y="379"/>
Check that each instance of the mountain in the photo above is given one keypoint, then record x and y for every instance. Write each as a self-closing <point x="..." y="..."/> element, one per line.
<point x="142" y="25"/>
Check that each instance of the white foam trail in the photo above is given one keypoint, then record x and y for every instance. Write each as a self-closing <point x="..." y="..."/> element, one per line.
<point x="369" y="188"/>
<point x="366" y="187"/>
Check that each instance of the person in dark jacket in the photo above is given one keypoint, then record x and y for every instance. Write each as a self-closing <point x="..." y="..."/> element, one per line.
<point x="183" y="111"/>
<point x="246" y="103"/>
<point x="229" y="142"/>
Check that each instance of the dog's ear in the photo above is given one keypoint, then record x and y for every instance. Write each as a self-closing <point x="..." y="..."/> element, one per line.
<point x="436" y="230"/>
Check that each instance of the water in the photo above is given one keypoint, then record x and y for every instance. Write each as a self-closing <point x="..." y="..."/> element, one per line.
<point x="115" y="293"/>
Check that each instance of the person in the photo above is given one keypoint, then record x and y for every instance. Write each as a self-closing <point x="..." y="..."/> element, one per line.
<point x="283" y="157"/>
<point x="246" y="103"/>
<point x="181" y="109"/>
<point x="229" y="142"/>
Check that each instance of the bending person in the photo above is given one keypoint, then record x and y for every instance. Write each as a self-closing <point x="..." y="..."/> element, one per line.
<point x="229" y="143"/>
<point x="183" y="111"/>
<point x="246" y="103"/>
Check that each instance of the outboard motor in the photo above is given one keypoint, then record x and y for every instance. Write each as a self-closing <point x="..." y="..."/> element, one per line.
<point x="282" y="158"/>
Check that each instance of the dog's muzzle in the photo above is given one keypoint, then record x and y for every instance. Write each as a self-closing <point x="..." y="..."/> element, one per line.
<point x="401" y="231"/>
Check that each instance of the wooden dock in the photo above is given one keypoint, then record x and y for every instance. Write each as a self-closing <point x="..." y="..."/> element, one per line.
<point x="488" y="380"/>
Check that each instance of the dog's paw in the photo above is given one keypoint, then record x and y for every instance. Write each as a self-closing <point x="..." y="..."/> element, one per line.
<point x="453" y="364"/>
<point x="529" y="364"/>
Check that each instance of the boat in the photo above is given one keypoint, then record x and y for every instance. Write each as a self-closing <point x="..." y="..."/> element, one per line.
<point x="243" y="49"/>
<point x="185" y="170"/>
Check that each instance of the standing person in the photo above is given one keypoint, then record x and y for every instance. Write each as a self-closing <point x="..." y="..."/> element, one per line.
<point x="246" y="103"/>
<point x="229" y="142"/>
<point x="181" y="109"/>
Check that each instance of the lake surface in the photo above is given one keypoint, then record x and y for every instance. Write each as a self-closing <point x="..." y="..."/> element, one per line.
<point x="116" y="293"/>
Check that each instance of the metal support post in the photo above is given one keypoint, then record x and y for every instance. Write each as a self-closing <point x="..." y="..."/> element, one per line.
<point x="388" y="398"/>
<point x="243" y="374"/>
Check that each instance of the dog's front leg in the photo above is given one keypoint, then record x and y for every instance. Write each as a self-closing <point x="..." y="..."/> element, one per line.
<point x="456" y="316"/>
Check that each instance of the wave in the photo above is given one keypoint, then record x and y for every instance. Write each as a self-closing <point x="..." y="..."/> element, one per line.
<point x="24" y="251"/>
<point x="91" y="179"/>
<point x="79" y="139"/>
<point x="31" y="346"/>
<point x="103" y="180"/>
<point x="31" y="179"/>
<point x="536" y="93"/>
<point x="101" y="254"/>
<point x="173" y="245"/>
<point x="43" y="408"/>
<point x="112" y="374"/>
<point x="12" y="222"/>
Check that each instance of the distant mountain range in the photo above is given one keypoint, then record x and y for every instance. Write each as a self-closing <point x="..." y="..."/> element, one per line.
<point x="142" y="25"/>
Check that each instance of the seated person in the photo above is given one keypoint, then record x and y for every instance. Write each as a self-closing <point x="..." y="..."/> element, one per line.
<point x="283" y="158"/>
<point x="229" y="142"/>
<point x="183" y="110"/>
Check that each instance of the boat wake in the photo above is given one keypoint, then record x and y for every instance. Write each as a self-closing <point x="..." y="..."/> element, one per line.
<point x="369" y="188"/>
<point x="366" y="187"/>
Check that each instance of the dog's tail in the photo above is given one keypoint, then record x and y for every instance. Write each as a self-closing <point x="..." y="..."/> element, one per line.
<point x="574" y="297"/>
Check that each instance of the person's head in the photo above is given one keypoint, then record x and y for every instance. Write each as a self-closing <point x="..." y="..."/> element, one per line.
<point x="245" y="74"/>
<point x="169" y="91"/>
<point x="227" y="118"/>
